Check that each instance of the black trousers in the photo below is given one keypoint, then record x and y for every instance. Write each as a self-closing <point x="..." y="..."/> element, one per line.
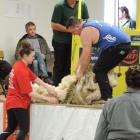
<point x="62" y="63"/>
<point x="107" y="60"/>
<point x="16" y="117"/>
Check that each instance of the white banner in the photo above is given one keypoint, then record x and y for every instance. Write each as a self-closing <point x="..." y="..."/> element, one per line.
<point x="20" y="8"/>
<point x="49" y="122"/>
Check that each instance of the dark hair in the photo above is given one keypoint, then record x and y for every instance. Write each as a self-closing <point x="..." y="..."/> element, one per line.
<point x="133" y="77"/>
<point x="5" y="69"/>
<point x="72" y="21"/>
<point x="27" y="25"/>
<point x="125" y="9"/>
<point x="26" y="48"/>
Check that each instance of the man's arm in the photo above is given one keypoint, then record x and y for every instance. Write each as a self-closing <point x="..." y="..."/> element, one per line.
<point x="89" y="36"/>
<point x="47" y="47"/>
<point x="57" y="18"/>
<point x="43" y="46"/>
<point x="84" y="60"/>
<point x="59" y="27"/>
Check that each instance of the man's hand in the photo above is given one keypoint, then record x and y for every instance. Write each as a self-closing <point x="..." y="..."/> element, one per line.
<point x="70" y="30"/>
<point x="79" y="76"/>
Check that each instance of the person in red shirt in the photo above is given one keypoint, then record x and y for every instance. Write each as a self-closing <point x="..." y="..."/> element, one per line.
<point x="20" y="92"/>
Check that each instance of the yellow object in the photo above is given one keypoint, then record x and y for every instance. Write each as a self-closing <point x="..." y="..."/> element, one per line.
<point x="138" y="16"/>
<point x="121" y="85"/>
<point x="79" y="9"/>
<point x="76" y="44"/>
<point x="1" y="54"/>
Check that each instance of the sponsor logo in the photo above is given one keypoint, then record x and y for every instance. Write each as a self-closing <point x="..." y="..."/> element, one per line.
<point x="110" y="38"/>
<point x="132" y="57"/>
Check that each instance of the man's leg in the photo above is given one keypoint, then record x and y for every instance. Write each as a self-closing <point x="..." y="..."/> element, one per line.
<point x="12" y="124"/>
<point x="108" y="59"/>
<point x="59" y="63"/>
<point x="35" y="67"/>
<point x="42" y="68"/>
<point x="41" y="64"/>
<point x="68" y="60"/>
<point x="22" y="116"/>
<point x="105" y="88"/>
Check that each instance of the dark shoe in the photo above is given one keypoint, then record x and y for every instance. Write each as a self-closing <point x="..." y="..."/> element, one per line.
<point x="48" y="80"/>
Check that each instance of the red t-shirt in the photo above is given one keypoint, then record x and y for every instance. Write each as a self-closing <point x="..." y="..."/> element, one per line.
<point x="20" y="80"/>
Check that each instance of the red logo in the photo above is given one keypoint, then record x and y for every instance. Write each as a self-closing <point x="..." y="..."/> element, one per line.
<point x="132" y="57"/>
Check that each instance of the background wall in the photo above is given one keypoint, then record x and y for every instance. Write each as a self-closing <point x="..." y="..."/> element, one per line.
<point x="111" y="15"/>
<point x="12" y="29"/>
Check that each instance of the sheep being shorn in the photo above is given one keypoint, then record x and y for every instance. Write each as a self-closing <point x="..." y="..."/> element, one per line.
<point x="83" y="92"/>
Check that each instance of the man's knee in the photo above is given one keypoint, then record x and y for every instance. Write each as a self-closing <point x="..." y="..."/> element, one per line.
<point x="35" y="67"/>
<point x="35" y="63"/>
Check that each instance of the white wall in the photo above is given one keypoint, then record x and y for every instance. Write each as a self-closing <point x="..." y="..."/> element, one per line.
<point x="111" y="14"/>
<point x="96" y="9"/>
<point x="12" y="29"/>
<point x="131" y="5"/>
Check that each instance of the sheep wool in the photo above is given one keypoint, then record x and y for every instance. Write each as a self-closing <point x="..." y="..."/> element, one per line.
<point x="39" y="90"/>
<point x="83" y="92"/>
<point x="71" y="91"/>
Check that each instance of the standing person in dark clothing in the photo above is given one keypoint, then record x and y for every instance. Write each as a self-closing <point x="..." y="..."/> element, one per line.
<point x="62" y="38"/>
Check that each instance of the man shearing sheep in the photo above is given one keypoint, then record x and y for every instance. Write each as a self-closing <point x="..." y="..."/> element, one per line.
<point x="115" y="45"/>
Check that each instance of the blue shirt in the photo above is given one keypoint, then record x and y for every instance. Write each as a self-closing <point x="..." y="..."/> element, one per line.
<point x="109" y="35"/>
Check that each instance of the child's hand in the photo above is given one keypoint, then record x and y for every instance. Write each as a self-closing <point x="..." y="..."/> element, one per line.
<point x="52" y="100"/>
<point x="51" y="90"/>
